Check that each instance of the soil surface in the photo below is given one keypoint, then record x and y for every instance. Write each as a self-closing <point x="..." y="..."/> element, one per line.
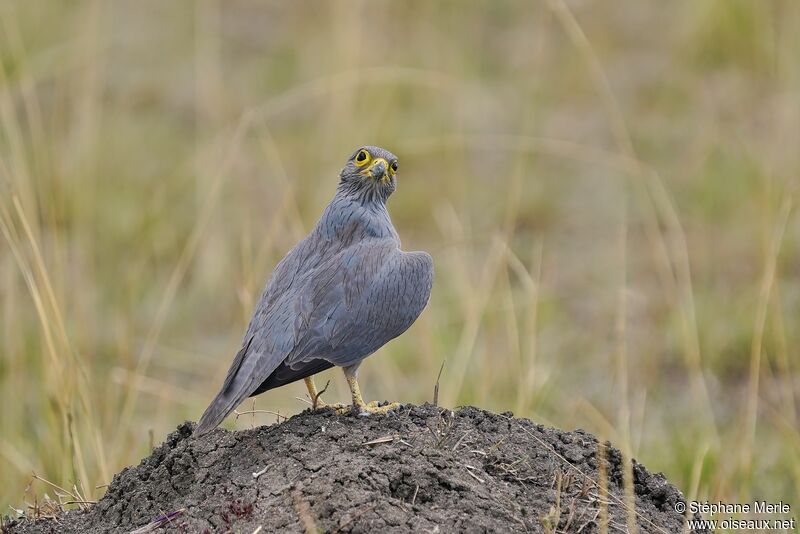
<point x="420" y="469"/>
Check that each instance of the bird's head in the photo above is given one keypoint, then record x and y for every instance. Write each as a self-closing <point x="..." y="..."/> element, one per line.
<point x="370" y="172"/>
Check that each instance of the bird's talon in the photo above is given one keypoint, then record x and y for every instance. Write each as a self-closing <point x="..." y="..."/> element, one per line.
<point x="375" y="408"/>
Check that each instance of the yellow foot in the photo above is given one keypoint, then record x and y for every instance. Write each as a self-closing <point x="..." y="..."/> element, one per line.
<point x="374" y="408"/>
<point x="338" y="406"/>
<point x="342" y="409"/>
<point x="324" y="406"/>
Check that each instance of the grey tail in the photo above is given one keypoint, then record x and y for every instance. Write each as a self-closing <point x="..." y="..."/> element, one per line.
<point x="219" y="409"/>
<point x="226" y="400"/>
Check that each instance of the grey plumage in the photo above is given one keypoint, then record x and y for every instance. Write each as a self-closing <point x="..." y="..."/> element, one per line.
<point x="339" y="295"/>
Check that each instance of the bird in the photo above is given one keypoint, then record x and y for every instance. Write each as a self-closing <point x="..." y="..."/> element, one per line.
<point x="342" y="292"/>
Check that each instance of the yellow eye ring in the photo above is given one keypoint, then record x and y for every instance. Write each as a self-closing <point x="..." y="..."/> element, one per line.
<point x="362" y="158"/>
<point x="393" y="167"/>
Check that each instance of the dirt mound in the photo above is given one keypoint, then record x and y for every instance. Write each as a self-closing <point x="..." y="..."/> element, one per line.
<point x="421" y="469"/>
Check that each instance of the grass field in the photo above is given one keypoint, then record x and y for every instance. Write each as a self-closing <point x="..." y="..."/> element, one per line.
<point x="609" y="194"/>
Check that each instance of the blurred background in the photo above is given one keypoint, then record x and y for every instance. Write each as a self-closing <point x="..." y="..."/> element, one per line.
<point x="610" y="197"/>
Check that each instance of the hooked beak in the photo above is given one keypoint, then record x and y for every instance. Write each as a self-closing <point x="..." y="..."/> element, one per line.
<point x="377" y="169"/>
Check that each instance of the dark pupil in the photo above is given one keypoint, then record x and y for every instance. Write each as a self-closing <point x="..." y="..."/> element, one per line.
<point x="361" y="156"/>
<point x="394" y="166"/>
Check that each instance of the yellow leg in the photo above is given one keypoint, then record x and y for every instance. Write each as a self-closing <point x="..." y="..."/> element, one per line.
<point x="355" y="391"/>
<point x="359" y="405"/>
<point x="316" y="402"/>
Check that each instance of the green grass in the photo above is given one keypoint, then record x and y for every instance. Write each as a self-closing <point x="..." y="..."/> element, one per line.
<point x="609" y="196"/>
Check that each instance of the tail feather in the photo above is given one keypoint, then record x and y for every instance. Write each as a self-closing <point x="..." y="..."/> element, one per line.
<point x="233" y="391"/>
<point x="220" y="407"/>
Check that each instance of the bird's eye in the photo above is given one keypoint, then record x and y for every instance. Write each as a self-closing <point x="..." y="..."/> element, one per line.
<point x="394" y="167"/>
<point x="362" y="157"/>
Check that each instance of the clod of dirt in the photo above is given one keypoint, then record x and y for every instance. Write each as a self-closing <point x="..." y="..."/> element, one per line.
<point x="422" y="469"/>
